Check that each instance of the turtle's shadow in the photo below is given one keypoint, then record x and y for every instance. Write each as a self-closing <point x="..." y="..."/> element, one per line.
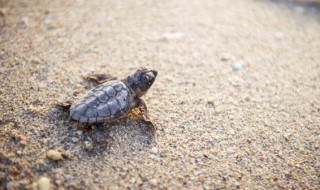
<point x="123" y="136"/>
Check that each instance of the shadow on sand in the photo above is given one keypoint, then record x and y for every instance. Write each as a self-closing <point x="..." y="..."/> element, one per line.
<point x="122" y="136"/>
<point x="308" y="6"/>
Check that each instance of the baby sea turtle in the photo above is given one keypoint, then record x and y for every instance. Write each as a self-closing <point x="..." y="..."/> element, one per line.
<point x="114" y="99"/>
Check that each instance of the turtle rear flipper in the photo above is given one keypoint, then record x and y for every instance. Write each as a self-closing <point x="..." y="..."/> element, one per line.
<point x="99" y="134"/>
<point x="65" y="105"/>
<point x="99" y="78"/>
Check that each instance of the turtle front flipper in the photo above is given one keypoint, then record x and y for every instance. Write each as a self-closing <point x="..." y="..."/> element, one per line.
<point x="139" y="103"/>
<point x="100" y="78"/>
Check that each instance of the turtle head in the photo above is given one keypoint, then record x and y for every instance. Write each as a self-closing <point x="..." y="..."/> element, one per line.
<point x="141" y="81"/>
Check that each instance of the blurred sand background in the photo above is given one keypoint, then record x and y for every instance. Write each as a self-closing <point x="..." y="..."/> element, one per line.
<point x="236" y="100"/>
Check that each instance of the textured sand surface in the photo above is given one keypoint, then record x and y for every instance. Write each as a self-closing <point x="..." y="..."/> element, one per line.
<point x="236" y="101"/>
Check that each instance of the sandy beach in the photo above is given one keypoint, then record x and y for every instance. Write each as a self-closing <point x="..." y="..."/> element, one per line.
<point x="236" y="101"/>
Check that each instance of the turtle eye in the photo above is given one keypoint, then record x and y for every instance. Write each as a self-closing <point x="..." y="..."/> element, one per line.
<point x="147" y="80"/>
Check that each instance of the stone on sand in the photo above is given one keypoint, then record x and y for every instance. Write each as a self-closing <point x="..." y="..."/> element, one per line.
<point x="54" y="155"/>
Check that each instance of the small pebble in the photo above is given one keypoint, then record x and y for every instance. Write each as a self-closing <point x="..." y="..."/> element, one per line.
<point x="230" y="150"/>
<point x="185" y="110"/>
<point x="88" y="146"/>
<point x="24" y="20"/>
<point x="67" y="177"/>
<point x="9" y="185"/>
<point x="236" y="81"/>
<point x="249" y="141"/>
<point x="57" y="170"/>
<point x="154" y="157"/>
<point x="232" y="132"/>
<point x="210" y="101"/>
<point x="23" y="143"/>
<point x="58" y="182"/>
<point x="44" y="183"/>
<point x="231" y="117"/>
<point x="236" y="66"/>
<point x="198" y="172"/>
<point x="41" y="85"/>
<point x="54" y="155"/>
<point x="198" y="155"/>
<point x="218" y="110"/>
<point x="75" y="139"/>
<point x="50" y="24"/>
<point x="171" y="36"/>
<point x="274" y="106"/>
<point x="132" y="180"/>
<point x="55" y="110"/>
<point x="227" y="57"/>
<point x="47" y="22"/>
<point x="153" y="182"/>
<point x="154" y="150"/>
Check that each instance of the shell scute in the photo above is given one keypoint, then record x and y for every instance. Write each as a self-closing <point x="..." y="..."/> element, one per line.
<point x="117" y="87"/>
<point x="103" y="110"/>
<point x="102" y="97"/>
<point x="84" y="119"/>
<point x="76" y="115"/>
<point x="92" y="101"/>
<point x="122" y="100"/>
<point x="91" y="112"/>
<point x="113" y="106"/>
<point x="109" y="91"/>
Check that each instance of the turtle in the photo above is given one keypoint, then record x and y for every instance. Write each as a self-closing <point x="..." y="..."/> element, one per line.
<point x="114" y="99"/>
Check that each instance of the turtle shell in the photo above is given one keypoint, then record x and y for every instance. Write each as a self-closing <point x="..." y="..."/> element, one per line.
<point x="106" y="102"/>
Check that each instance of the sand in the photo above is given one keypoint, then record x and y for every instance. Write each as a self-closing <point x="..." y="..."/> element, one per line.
<point x="236" y="101"/>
